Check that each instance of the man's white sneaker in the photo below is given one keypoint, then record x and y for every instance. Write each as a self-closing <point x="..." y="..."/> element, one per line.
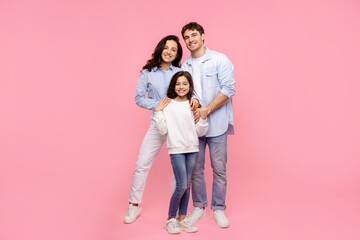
<point x="196" y="215"/>
<point x="187" y="226"/>
<point x="221" y="219"/>
<point x="133" y="213"/>
<point x="172" y="226"/>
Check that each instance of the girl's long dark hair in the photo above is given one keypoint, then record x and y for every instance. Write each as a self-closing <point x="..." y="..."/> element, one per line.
<point x="156" y="58"/>
<point x="171" y="90"/>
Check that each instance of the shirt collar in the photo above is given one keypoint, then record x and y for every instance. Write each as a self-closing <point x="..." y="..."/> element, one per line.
<point x="157" y="68"/>
<point x="207" y="56"/>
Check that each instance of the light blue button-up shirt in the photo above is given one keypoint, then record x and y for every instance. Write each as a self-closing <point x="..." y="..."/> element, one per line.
<point x="155" y="83"/>
<point x="217" y="76"/>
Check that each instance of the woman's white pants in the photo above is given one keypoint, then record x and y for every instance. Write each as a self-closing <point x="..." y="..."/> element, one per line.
<point x="150" y="147"/>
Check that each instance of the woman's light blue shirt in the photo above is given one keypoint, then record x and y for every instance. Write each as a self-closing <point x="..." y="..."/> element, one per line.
<point x="155" y="84"/>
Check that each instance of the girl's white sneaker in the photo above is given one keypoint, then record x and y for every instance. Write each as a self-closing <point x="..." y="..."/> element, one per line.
<point x="172" y="226"/>
<point x="187" y="226"/>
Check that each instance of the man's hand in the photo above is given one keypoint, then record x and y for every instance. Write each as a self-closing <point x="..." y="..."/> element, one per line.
<point x="204" y="112"/>
<point x="194" y="104"/>
<point x="162" y="104"/>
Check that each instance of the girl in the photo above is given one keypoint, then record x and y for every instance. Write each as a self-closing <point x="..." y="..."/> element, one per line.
<point x="175" y="119"/>
<point x="154" y="80"/>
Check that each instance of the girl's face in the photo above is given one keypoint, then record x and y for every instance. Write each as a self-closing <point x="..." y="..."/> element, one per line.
<point x="182" y="87"/>
<point x="170" y="51"/>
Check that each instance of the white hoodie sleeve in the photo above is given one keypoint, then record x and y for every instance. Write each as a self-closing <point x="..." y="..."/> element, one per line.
<point x="201" y="127"/>
<point x="160" y="122"/>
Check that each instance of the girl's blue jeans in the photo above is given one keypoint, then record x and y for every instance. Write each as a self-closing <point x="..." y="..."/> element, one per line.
<point x="183" y="167"/>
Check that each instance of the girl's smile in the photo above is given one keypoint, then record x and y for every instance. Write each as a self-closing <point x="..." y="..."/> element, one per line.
<point x="182" y="88"/>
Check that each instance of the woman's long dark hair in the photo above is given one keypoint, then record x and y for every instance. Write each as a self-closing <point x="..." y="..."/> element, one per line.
<point x="171" y="90"/>
<point x="156" y="58"/>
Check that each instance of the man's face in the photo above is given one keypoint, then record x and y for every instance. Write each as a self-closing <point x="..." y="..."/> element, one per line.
<point x="193" y="40"/>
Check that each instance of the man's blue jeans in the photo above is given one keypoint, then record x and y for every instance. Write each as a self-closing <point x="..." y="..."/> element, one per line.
<point x="183" y="167"/>
<point x="218" y="159"/>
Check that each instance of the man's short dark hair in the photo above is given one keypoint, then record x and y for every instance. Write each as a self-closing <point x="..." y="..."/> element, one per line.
<point x="192" y="26"/>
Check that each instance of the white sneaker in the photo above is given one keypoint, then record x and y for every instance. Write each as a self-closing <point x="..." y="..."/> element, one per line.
<point x="187" y="226"/>
<point x="196" y="215"/>
<point x="172" y="226"/>
<point x="221" y="219"/>
<point x="133" y="213"/>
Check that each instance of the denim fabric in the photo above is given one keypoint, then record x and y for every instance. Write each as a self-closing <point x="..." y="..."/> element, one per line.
<point x="183" y="168"/>
<point x="218" y="159"/>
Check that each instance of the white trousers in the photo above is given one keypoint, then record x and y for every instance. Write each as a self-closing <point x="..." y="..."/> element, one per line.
<point x="150" y="147"/>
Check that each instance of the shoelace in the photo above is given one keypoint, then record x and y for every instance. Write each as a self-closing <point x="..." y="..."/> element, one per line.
<point x="220" y="214"/>
<point x="173" y="224"/>
<point x="186" y="222"/>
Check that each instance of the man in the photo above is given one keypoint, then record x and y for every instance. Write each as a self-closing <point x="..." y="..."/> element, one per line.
<point x="213" y="78"/>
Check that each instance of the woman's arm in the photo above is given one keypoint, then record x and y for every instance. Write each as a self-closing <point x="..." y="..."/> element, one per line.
<point x="140" y="96"/>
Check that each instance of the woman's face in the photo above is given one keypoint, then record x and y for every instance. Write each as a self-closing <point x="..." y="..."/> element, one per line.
<point x="182" y="87"/>
<point x="170" y="51"/>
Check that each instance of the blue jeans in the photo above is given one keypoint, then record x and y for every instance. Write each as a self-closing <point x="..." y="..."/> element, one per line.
<point x="218" y="159"/>
<point x="183" y="166"/>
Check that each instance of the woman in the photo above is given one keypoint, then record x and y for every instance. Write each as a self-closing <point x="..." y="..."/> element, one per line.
<point x="154" y="80"/>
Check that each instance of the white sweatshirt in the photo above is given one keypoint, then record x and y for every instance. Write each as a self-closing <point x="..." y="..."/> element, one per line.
<point x="177" y="120"/>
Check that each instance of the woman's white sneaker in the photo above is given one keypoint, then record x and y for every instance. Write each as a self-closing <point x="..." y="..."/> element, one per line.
<point x="187" y="226"/>
<point x="221" y="219"/>
<point x="196" y="215"/>
<point x="133" y="213"/>
<point x="172" y="226"/>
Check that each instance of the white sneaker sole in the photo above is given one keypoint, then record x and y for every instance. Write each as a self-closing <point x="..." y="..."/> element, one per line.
<point x="189" y="230"/>
<point x="172" y="232"/>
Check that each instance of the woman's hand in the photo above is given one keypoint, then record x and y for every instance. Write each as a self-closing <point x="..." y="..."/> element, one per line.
<point x="162" y="104"/>
<point x="194" y="104"/>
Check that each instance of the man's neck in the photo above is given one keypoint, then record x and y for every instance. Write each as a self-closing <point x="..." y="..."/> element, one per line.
<point x="199" y="53"/>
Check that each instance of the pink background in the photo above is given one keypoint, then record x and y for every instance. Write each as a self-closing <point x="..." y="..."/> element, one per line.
<point x="70" y="130"/>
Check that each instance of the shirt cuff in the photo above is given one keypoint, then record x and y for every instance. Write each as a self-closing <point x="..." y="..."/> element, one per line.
<point x="202" y="122"/>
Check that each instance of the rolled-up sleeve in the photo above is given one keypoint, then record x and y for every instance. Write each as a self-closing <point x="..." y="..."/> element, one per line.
<point x="226" y="77"/>
<point x="140" y="96"/>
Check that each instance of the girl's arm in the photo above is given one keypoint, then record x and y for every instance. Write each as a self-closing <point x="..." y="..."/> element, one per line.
<point x="202" y="125"/>
<point x="159" y="118"/>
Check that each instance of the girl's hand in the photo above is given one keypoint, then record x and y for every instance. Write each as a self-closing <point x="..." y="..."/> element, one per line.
<point x="194" y="104"/>
<point x="197" y="115"/>
<point x="204" y="112"/>
<point x="162" y="104"/>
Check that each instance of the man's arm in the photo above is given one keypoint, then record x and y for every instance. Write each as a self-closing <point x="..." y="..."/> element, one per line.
<point x="227" y="82"/>
<point x="217" y="102"/>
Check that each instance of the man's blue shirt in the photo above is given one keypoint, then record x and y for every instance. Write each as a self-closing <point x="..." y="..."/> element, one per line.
<point x="217" y="76"/>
